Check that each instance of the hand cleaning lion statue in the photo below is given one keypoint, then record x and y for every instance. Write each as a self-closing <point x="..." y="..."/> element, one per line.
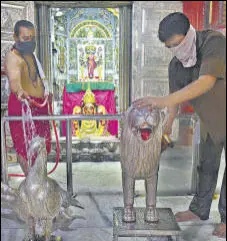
<point x="140" y="153"/>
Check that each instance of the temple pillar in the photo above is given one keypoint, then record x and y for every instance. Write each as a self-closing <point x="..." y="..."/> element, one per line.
<point x="125" y="56"/>
<point x="44" y="44"/>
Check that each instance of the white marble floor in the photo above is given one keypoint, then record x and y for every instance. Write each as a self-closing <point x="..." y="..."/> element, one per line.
<point x="99" y="190"/>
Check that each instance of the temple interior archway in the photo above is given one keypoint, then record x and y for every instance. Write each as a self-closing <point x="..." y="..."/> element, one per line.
<point x="85" y="54"/>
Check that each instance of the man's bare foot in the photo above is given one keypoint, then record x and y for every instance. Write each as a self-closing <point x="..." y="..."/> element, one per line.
<point x="186" y="216"/>
<point x="220" y="230"/>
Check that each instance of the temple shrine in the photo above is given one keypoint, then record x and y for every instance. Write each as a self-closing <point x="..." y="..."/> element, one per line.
<point x="91" y="49"/>
<point x="100" y="101"/>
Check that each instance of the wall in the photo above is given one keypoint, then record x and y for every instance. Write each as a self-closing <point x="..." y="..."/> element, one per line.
<point x="150" y="58"/>
<point x="11" y="12"/>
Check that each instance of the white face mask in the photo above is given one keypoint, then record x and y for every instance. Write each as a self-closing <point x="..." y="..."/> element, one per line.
<point x="186" y="50"/>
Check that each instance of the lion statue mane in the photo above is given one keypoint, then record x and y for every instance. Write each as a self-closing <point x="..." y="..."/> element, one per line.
<point x="140" y="154"/>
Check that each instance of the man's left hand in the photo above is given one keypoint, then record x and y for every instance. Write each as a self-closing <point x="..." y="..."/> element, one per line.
<point x="50" y="98"/>
<point x="153" y="102"/>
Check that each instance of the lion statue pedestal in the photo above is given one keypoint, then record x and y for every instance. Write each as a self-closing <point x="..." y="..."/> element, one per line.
<point x="166" y="229"/>
<point x="142" y="142"/>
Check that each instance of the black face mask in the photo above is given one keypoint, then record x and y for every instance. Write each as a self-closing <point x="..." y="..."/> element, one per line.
<point x="25" y="47"/>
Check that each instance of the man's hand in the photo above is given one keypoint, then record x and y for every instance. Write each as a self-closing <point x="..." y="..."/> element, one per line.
<point x="46" y="88"/>
<point x="22" y="94"/>
<point x="172" y="113"/>
<point x="50" y="98"/>
<point x="168" y="128"/>
<point x="189" y="92"/>
<point x="153" y="102"/>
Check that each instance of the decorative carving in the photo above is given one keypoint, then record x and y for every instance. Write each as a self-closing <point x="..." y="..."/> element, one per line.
<point x="12" y="15"/>
<point x="5" y="18"/>
<point x="31" y="11"/>
<point x="156" y="87"/>
<point x="11" y="12"/>
<point x="4" y="89"/>
<point x="5" y="47"/>
<point x="91" y="62"/>
<point x="157" y="72"/>
<point x="84" y="4"/>
<point x="166" y="6"/>
<point x="157" y="55"/>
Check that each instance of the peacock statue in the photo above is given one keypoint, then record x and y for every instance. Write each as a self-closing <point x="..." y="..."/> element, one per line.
<point x="39" y="200"/>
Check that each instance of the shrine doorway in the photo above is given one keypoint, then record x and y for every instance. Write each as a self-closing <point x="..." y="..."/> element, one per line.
<point x="85" y="54"/>
<point x="72" y="32"/>
<point x="89" y="44"/>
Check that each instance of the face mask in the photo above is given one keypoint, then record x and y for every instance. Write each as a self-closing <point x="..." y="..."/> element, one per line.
<point x="185" y="52"/>
<point x="26" y="47"/>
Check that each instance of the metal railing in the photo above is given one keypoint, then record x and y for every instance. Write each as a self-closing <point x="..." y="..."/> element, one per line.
<point x="68" y="119"/>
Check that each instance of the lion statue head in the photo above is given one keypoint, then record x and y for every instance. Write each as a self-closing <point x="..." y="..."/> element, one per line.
<point x="141" y="141"/>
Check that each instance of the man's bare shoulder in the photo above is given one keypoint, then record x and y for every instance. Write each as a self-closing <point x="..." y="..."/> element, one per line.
<point x="12" y="58"/>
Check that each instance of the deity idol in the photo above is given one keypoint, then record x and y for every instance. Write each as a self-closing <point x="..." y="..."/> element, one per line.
<point x="91" y="66"/>
<point x="87" y="128"/>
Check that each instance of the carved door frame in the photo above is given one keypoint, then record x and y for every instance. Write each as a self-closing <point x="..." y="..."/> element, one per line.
<point x="125" y="39"/>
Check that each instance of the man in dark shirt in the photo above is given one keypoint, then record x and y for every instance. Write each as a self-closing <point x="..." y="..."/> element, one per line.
<point x="197" y="73"/>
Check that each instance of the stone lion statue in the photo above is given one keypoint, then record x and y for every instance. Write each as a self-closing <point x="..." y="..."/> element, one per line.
<point x="140" y="153"/>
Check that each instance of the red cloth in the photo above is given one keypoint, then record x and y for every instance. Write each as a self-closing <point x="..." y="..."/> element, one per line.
<point x="42" y="128"/>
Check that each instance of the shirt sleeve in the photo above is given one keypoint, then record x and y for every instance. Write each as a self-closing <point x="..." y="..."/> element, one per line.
<point x="213" y="57"/>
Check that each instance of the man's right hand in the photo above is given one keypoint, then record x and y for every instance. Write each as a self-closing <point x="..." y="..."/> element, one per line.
<point x="169" y="123"/>
<point x="168" y="128"/>
<point x="22" y="94"/>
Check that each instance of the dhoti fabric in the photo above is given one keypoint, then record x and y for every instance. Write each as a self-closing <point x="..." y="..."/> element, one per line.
<point x="42" y="128"/>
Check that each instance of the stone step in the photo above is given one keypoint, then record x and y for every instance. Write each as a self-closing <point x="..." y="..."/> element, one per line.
<point x="88" y="150"/>
<point x="87" y="158"/>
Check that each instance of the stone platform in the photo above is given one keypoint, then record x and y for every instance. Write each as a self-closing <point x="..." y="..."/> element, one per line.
<point x="165" y="229"/>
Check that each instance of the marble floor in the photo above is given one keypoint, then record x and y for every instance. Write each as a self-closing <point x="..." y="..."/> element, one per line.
<point x="99" y="190"/>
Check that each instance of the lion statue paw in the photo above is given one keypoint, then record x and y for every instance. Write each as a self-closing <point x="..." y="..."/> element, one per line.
<point x="151" y="215"/>
<point x="129" y="215"/>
